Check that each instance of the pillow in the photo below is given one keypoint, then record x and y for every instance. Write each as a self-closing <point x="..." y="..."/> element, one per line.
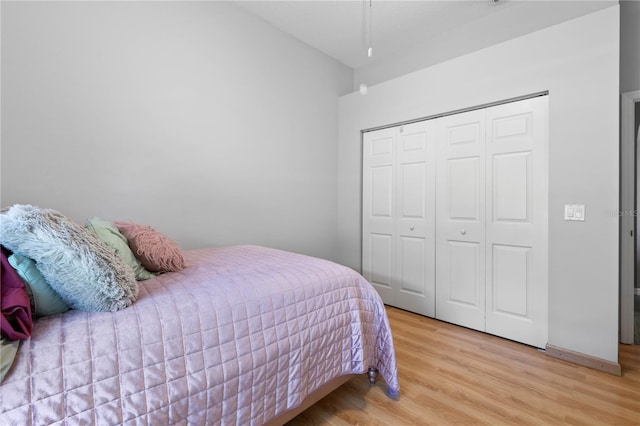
<point x="16" y="321"/>
<point x="45" y="300"/>
<point x="8" y="352"/>
<point x="154" y="250"/>
<point x="85" y="272"/>
<point x="110" y="235"/>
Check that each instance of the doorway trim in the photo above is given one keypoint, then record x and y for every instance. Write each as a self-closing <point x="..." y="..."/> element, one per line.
<point x="627" y="214"/>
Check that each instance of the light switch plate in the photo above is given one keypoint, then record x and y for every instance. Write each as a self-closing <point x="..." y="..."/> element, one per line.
<point x="574" y="212"/>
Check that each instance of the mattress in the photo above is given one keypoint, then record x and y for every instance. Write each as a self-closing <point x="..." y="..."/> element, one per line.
<point x="240" y="336"/>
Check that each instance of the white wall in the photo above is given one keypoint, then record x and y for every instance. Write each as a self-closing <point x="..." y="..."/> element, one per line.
<point x="194" y="117"/>
<point x="578" y="63"/>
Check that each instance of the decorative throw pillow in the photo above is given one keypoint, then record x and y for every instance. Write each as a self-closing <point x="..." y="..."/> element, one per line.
<point x="16" y="319"/>
<point x="8" y="352"/>
<point x="110" y="235"/>
<point x="45" y="300"/>
<point x="155" y="251"/>
<point x="85" y="272"/>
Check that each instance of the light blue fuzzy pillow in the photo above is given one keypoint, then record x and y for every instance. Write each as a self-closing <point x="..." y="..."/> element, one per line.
<point x="84" y="271"/>
<point x="46" y="301"/>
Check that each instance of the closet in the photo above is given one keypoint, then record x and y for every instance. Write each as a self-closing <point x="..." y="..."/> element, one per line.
<point x="455" y="218"/>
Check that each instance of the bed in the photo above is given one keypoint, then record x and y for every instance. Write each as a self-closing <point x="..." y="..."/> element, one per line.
<point x="242" y="335"/>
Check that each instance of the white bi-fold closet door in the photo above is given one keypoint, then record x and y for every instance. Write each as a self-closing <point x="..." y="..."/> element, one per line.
<point x="398" y="255"/>
<point x="489" y="200"/>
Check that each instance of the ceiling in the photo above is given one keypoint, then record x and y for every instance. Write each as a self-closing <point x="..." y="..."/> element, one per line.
<point x="336" y="27"/>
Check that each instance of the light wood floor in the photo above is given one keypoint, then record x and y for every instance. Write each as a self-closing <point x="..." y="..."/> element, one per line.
<point x="453" y="375"/>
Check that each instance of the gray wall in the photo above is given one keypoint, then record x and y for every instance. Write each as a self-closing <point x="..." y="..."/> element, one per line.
<point x="578" y="63"/>
<point x="629" y="45"/>
<point x="503" y="21"/>
<point x="630" y="73"/>
<point x="194" y="117"/>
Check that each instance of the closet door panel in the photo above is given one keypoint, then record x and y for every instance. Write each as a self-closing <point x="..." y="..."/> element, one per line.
<point x="463" y="188"/>
<point x="511" y="200"/>
<point x="517" y="221"/>
<point x="412" y="266"/>
<point x="511" y="271"/>
<point x="380" y="259"/>
<point x="412" y="184"/>
<point x="464" y="272"/>
<point x="378" y="212"/>
<point x="415" y="255"/>
<point x="460" y="217"/>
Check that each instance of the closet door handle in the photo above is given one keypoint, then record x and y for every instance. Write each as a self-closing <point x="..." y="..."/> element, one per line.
<point x="463" y="232"/>
<point x="411" y="228"/>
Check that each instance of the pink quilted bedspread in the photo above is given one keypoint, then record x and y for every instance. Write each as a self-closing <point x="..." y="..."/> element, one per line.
<point x="240" y="336"/>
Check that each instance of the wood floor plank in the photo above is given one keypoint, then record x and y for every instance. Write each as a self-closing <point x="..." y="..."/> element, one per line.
<point x="453" y="375"/>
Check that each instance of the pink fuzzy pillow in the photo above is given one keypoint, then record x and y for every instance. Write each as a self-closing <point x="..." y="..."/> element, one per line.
<point x="155" y="251"/>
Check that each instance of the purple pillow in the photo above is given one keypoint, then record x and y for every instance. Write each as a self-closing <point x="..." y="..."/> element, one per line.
<point x="16" y="322"/>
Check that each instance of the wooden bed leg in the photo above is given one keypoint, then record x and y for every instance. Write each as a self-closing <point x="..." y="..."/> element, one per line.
<point x="372" y="374"/>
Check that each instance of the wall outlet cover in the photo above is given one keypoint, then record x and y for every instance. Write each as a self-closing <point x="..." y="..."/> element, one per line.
<point x="574" y="212"/>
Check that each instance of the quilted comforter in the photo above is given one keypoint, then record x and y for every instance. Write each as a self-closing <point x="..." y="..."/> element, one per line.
<point x="240" y="336"/>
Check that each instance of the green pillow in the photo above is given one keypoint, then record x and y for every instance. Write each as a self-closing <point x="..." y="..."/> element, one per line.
<point x="8" y="351"/>
<point x="108" y="233"/>
<point x="45" y="300"/>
